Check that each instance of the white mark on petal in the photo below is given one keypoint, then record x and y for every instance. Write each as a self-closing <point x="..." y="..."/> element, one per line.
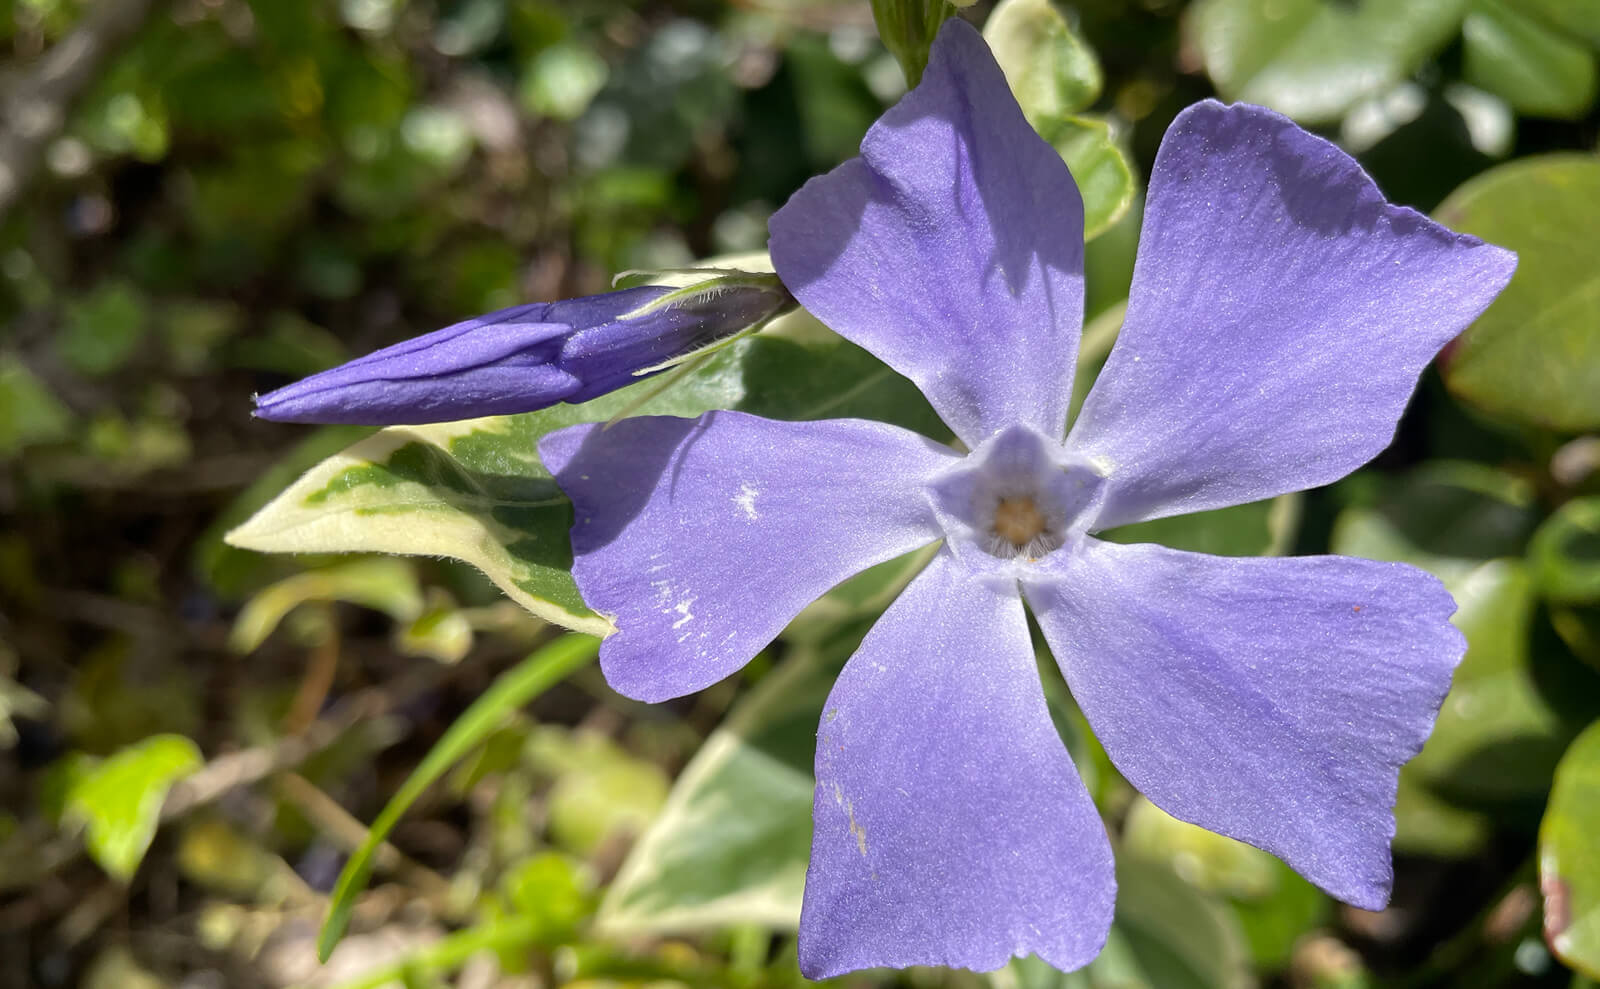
<point x="746" y="499"/>
<point x="682" y="608"/>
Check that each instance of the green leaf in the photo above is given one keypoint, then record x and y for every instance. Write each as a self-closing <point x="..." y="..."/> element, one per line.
<point x="602" y="793"/>
<point x="510" y="691"/>
<point x="1052" y="72"/>
<point x="1260" y="528"/>
<point x="102" y="330"/>
<point x="383" y="584"/>
<point x="476" y="491"/>
<point x="1565" y="552"/>
<point x="1168" y="935"/>
<point x="1569" y="857"/>
<point x="561" y="81"/>
<point x="1534" y="68"/>
<point x="118" y="801"/>
<point x="29" y="413"/>
<point x="1204" y="858"/>
<point x="551" y="889"/>
<point x="732" y="843"/>
<point x="1314" y="59"/>
<point x="1505" y="721"/>
<point x="442" y="632"/>
<point x="1165" y="935"/>
<point x="231" y="571"/>
<point x="1531" y="357"/>
<point x="1580" y="18"/>
<point x="1104" y="176"/>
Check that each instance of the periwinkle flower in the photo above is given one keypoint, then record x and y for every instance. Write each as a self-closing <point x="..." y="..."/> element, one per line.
<point x="1280" y="315"/>
<point x="531" y="356"/>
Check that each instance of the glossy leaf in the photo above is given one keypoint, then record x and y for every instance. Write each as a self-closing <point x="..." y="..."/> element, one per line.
<point x="1166" y="935"/>
<point x="1535" y="69"/>
<point x="1579" y="18"/>
<point x="1054" y="74"/>
<point x="1532" y="356"/>
<point x="1260" y="528"/>
<point x="476" y="491"/>
<point x="383" y="584"/>
<point x="1569" y="857"/>
<point x="512" y="690"/>
<point x="118" y="801"/>
<point x="1565" y="552"/>
<point x="1314" y="59"/>
<point x="732" y="843"/>
<point x="1105" y="177"/>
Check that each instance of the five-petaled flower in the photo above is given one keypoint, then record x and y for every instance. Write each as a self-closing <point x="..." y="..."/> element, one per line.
<point x="1280" y="315"/>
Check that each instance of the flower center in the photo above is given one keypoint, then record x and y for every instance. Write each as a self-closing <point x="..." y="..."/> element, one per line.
<point x="1015" y="500"/>
<point x="1018" y="521"/>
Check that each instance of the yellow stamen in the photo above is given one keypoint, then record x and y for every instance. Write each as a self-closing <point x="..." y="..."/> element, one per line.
<point x="1018" y="521"/>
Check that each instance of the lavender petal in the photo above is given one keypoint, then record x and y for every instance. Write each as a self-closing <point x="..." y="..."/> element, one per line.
<point x="1280" y="315"/>
<point x="1271" y="700"/>
<point x="952" y="248"/>
<point x="951" y="826"/>
<point x="702" y="538"/>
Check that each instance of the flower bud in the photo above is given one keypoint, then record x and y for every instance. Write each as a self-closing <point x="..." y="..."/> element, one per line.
<point x="531" y="356"/>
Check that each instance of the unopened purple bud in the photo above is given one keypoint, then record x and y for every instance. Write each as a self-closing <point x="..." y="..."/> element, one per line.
<point x="529" y="357"/>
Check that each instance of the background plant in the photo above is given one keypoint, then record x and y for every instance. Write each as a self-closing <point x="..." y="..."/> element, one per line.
<point x="221" y="196"/>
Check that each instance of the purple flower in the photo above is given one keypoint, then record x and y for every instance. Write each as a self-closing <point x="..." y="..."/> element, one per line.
<point x="530" y="356"/>
<point x="1281" y="312"/>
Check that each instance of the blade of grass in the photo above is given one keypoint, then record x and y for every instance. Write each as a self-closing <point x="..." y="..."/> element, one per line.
<point x="514" y="688"/>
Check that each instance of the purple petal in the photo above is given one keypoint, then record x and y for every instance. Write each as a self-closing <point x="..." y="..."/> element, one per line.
<point x="952" y="248"/>
<point x="702" y="538"/>
<point x="951" y="825"/>
<point x="1281" y="312"/>
<point x="1271" y="700"/>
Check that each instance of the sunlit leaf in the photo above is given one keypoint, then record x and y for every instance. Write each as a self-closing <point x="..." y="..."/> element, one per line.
<point x="118" y="801"/>
<point x="732" y="843"/>
<point x="1565" y="552"/>
<point x="1569" y="857"/>
<point x="382" y="584"/>
<point x="1052" y="72"/>
<point x="1536" y="69"/>
<point x="1314" y="59"/>
<point x="1532" y="356"/>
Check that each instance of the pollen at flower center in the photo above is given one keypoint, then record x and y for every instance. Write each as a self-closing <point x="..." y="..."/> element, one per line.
<point x="1015" y="500"/>
<point x="1018" y="521"/>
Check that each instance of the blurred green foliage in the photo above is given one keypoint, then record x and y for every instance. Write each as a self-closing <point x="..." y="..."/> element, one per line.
<point x="247" y="191"/>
